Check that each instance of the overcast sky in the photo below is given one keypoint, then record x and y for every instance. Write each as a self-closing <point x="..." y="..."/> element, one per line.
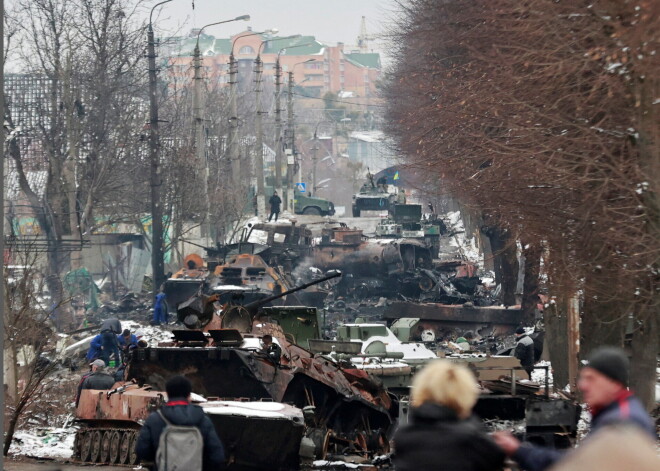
<point x="331" y="21"/>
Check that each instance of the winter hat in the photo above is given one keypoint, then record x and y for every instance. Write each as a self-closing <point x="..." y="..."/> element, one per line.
<point x="99" y="363"/>
<point x="612" y="362"/>
<point x="520" y="331"/>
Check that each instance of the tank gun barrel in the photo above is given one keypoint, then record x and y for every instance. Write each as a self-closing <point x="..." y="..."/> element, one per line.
<point x="261" y="302"/>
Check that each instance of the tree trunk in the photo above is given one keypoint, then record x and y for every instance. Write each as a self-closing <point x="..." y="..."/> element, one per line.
<point x="644" y="356"/>
<point x="530" y="296"/>
<point x="556" y="336"/>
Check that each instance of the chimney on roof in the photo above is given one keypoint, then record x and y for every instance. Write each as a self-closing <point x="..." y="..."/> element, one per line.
<point x="249" y="28"/>
<point x="340" y="45"/>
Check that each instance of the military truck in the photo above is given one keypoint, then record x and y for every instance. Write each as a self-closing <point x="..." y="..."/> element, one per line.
<point x="305" y="204"/>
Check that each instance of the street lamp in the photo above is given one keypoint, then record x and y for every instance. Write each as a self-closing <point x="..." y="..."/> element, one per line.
<point x="200" y="138"/>
<point x="259" y="164"/>
<point x="157" y="262"/>
<point x="233" y="119"/>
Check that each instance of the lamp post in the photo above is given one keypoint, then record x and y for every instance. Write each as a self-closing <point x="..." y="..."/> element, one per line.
<point x="259" y="156"/>
<point x="157" y="262"/>
<point x="200" y="138"/>
<point x="278" y="130"/>
<point x="292" y="137"/>
<point x="234" y="148"/>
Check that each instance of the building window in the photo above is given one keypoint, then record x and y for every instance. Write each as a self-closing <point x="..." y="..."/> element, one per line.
<point x="314" y="77"/>
<point x="313" y="65"/>
<point x="246" y="50"/>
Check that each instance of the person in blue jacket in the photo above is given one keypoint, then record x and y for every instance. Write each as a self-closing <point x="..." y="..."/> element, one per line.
<point x="603" y="383"/>
<point x="127" y="340"/>
<point x="95" y="349"/>
<point x="160" y="309"/>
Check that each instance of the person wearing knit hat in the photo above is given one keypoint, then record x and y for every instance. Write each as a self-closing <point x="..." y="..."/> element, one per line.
<point x="524" y="350"/>
<point x="603" y="382"/>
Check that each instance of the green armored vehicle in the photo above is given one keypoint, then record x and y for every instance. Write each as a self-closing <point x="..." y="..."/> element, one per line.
<point x="304" y="204"/>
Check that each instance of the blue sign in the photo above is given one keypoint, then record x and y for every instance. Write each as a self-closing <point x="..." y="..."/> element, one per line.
<point x="302" y="187"/>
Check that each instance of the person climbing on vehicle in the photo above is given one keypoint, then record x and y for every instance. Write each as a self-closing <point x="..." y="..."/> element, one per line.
<point x="180" y="435"/>
<point x="272" y="350"/>
<point x="275" y="202"/>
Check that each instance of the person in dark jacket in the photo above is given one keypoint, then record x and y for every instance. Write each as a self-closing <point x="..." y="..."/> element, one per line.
<point x="98" y="379"/>
<point x="441" y="432"/>
<point x="603" y="383"/>
<point x="524" y="350"/>
<point x="275" y="202"/>
<point x="179" y="411"/>
<point x="109" y="330"/>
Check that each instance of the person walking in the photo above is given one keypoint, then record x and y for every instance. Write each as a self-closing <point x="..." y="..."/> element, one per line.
<point x="275" y="202"/>
<point x="524" y="350"/>
<point x="441" y="432"/>
<point x="189" y="419"/>
<point x="109" y="330"/>
<point x="603" y="383"/>
<point x="160" y="310"/>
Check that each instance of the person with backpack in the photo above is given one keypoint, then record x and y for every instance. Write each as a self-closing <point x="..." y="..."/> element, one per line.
<point x="180" y="435"/>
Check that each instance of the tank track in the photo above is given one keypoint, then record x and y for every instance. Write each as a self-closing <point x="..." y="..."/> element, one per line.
<point x="106" y="445"/>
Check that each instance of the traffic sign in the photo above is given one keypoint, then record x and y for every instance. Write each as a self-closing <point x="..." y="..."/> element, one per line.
<point x="302" y="187"/>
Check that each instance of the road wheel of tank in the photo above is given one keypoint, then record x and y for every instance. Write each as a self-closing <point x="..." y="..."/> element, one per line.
<point x="115" y="438"/>
<point x="312" y="211"/>
<point x="85" y="445"/>
<point x="124" y="447"/>
<point x="132" y="455"/>
<point x="95" y="452"/>
<point x="105" y="447"/>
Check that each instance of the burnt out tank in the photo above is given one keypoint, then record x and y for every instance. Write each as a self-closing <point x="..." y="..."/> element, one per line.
<point x="242" y="274"/>
<point x="223" y="354"/>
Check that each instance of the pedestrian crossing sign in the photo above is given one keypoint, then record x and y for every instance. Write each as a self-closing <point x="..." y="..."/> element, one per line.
<point x="302" y="187"/>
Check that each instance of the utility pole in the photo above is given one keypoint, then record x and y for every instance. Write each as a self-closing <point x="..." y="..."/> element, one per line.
<point x="200" y="144"/>
<point x="157" y="262"/>
<point x="291" y="144"/>
<point x="234" y="149"/>
<point x="315" y="149"/>
<point x="278" y="132"/>
<point x="2" y="230"/>
<point x="259" y="155"/>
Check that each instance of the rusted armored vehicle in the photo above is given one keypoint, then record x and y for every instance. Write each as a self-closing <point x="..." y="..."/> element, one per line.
<point x="110" y="421"/>
<point x="244" y="272"/>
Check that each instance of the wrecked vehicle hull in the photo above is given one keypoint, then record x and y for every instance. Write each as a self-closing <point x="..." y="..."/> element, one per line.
<point x="346" y="401"/>
<point x="110" y="423"/>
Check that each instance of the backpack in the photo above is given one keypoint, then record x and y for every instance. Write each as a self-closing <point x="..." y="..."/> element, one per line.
<point x="180" y="447"/>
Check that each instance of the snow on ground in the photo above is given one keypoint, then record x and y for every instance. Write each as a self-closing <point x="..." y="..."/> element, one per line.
<point x="44" y="442"/>
<point x="153" y="334"/>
